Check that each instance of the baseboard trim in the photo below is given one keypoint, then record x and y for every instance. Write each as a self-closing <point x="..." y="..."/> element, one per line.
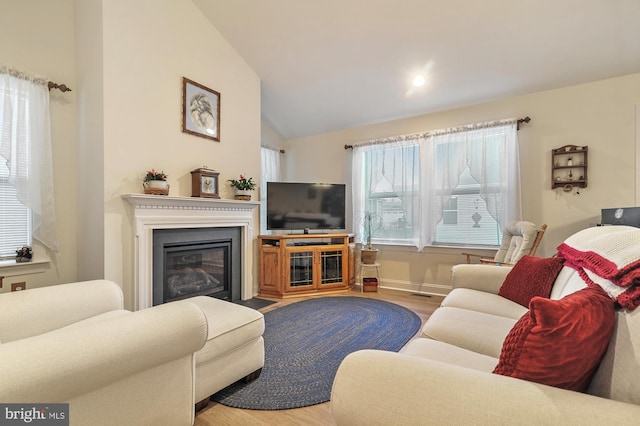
<point x="419" y="288"/>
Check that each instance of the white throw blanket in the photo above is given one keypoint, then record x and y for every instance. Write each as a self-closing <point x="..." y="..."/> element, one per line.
<point x="608" y="256"/>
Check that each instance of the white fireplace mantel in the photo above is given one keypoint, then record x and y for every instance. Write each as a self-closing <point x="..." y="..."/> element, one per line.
<point x="162" y="212"/>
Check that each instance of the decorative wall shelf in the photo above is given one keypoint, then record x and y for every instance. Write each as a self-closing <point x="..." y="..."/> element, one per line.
<point x="569" y="166"/>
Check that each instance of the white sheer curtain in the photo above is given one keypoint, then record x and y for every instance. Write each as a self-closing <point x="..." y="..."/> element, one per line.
<point x="270" y="172"/>
<point x="25" y="145"/>
<point x="490" y="154"/>
<point x="386" y="185"/>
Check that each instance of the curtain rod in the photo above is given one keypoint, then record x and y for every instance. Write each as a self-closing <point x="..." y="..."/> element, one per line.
<point x="281" y="151"/>
<point x="523" y="120"/>
<point x="452" y="130"/>
<point x="33" y="78"/>
<point x="61" y="87"/>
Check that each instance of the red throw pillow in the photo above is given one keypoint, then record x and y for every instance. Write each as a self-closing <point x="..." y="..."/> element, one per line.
<point x="529" y="277"/>
<point x="560" y="342"/>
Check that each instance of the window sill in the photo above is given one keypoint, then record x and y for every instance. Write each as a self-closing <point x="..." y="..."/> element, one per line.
<point x="9" y="268"/>
<point x="439" y="248"/>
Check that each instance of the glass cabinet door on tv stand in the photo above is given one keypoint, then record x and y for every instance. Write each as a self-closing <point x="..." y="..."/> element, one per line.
<point x="304" y="264"/>
<point x="301" y="269"/>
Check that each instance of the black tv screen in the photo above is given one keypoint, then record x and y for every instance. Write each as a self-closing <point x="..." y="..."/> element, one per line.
<point x="301" y="206"/>
<point x="629" y="216"/>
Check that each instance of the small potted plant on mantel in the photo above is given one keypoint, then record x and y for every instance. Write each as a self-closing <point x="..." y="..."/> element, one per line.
<point x="155" y="183"/>
<point x="243" y="187"/>
<point x="368" y="254"/>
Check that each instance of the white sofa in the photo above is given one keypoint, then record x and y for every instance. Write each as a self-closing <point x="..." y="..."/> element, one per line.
<point x="74" y="343"/>
<point x="445" y="376"/>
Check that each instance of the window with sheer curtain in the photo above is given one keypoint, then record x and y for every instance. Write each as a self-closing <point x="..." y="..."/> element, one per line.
<point x="270" y="172"/>
<point x="27" y="207"/>
<point x="386" y="192"/>
<point x="449" y="187"/>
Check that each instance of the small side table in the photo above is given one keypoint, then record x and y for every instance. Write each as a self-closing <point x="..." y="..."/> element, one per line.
<point x="363" y="267"/>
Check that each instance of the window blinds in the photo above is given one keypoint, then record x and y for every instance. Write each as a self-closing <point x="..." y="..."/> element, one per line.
<point x="15" y="220"/>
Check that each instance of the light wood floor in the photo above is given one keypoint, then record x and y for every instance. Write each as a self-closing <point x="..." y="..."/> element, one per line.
<point x="218" y="414"/>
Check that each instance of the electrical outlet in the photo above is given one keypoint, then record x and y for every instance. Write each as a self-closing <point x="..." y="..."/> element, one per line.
<point x="18" y="286"/>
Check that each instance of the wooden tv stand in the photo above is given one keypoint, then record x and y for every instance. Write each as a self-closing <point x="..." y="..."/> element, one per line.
<point x="295" y="265"/>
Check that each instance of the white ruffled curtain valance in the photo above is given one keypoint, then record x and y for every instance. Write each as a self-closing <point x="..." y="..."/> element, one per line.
<point x="441" y="132"/>
<point x="25" y="145"/>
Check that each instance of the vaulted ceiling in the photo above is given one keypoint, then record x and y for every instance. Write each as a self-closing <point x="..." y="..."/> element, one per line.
<point x="328" y="65"/>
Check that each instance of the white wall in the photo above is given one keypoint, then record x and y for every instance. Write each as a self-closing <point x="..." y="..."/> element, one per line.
<point x="131" y="57"/>
<point x="600" y="115"/>
<point x="37" y="36"/>
<point x="148" y="47"/>
<point x="269" y="137"/>
<point x="90" y="127"/>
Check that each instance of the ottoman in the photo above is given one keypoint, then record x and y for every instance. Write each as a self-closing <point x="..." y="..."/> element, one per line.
<point x="234" y="349"/>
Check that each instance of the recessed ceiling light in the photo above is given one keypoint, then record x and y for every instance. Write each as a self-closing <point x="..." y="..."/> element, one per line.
<point x="419" y="81"/>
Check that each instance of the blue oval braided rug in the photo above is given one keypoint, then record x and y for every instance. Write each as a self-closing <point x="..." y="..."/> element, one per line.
<point x="305" y="342"/>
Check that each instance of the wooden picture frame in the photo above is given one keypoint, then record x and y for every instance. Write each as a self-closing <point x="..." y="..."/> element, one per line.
<point x="200" y="110"/>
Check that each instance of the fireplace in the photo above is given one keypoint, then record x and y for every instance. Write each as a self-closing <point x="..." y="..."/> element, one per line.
<point x="152" y="213"/>
<point x="196" y="262"/>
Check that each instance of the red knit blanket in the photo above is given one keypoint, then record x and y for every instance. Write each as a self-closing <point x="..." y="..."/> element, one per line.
<point x="608" y="256"/>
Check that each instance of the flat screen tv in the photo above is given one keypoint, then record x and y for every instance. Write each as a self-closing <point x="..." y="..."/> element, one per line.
<point x="305" y="206"/>
<point x="629" y="216"/>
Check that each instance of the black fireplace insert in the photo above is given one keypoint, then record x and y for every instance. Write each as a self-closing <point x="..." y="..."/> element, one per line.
<point x="195" y="262"/>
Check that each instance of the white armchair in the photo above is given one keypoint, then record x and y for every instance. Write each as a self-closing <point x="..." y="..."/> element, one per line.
<point x="74" y="343"/>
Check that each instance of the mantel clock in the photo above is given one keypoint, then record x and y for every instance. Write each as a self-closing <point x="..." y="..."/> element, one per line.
<point x="204" y="183"/>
